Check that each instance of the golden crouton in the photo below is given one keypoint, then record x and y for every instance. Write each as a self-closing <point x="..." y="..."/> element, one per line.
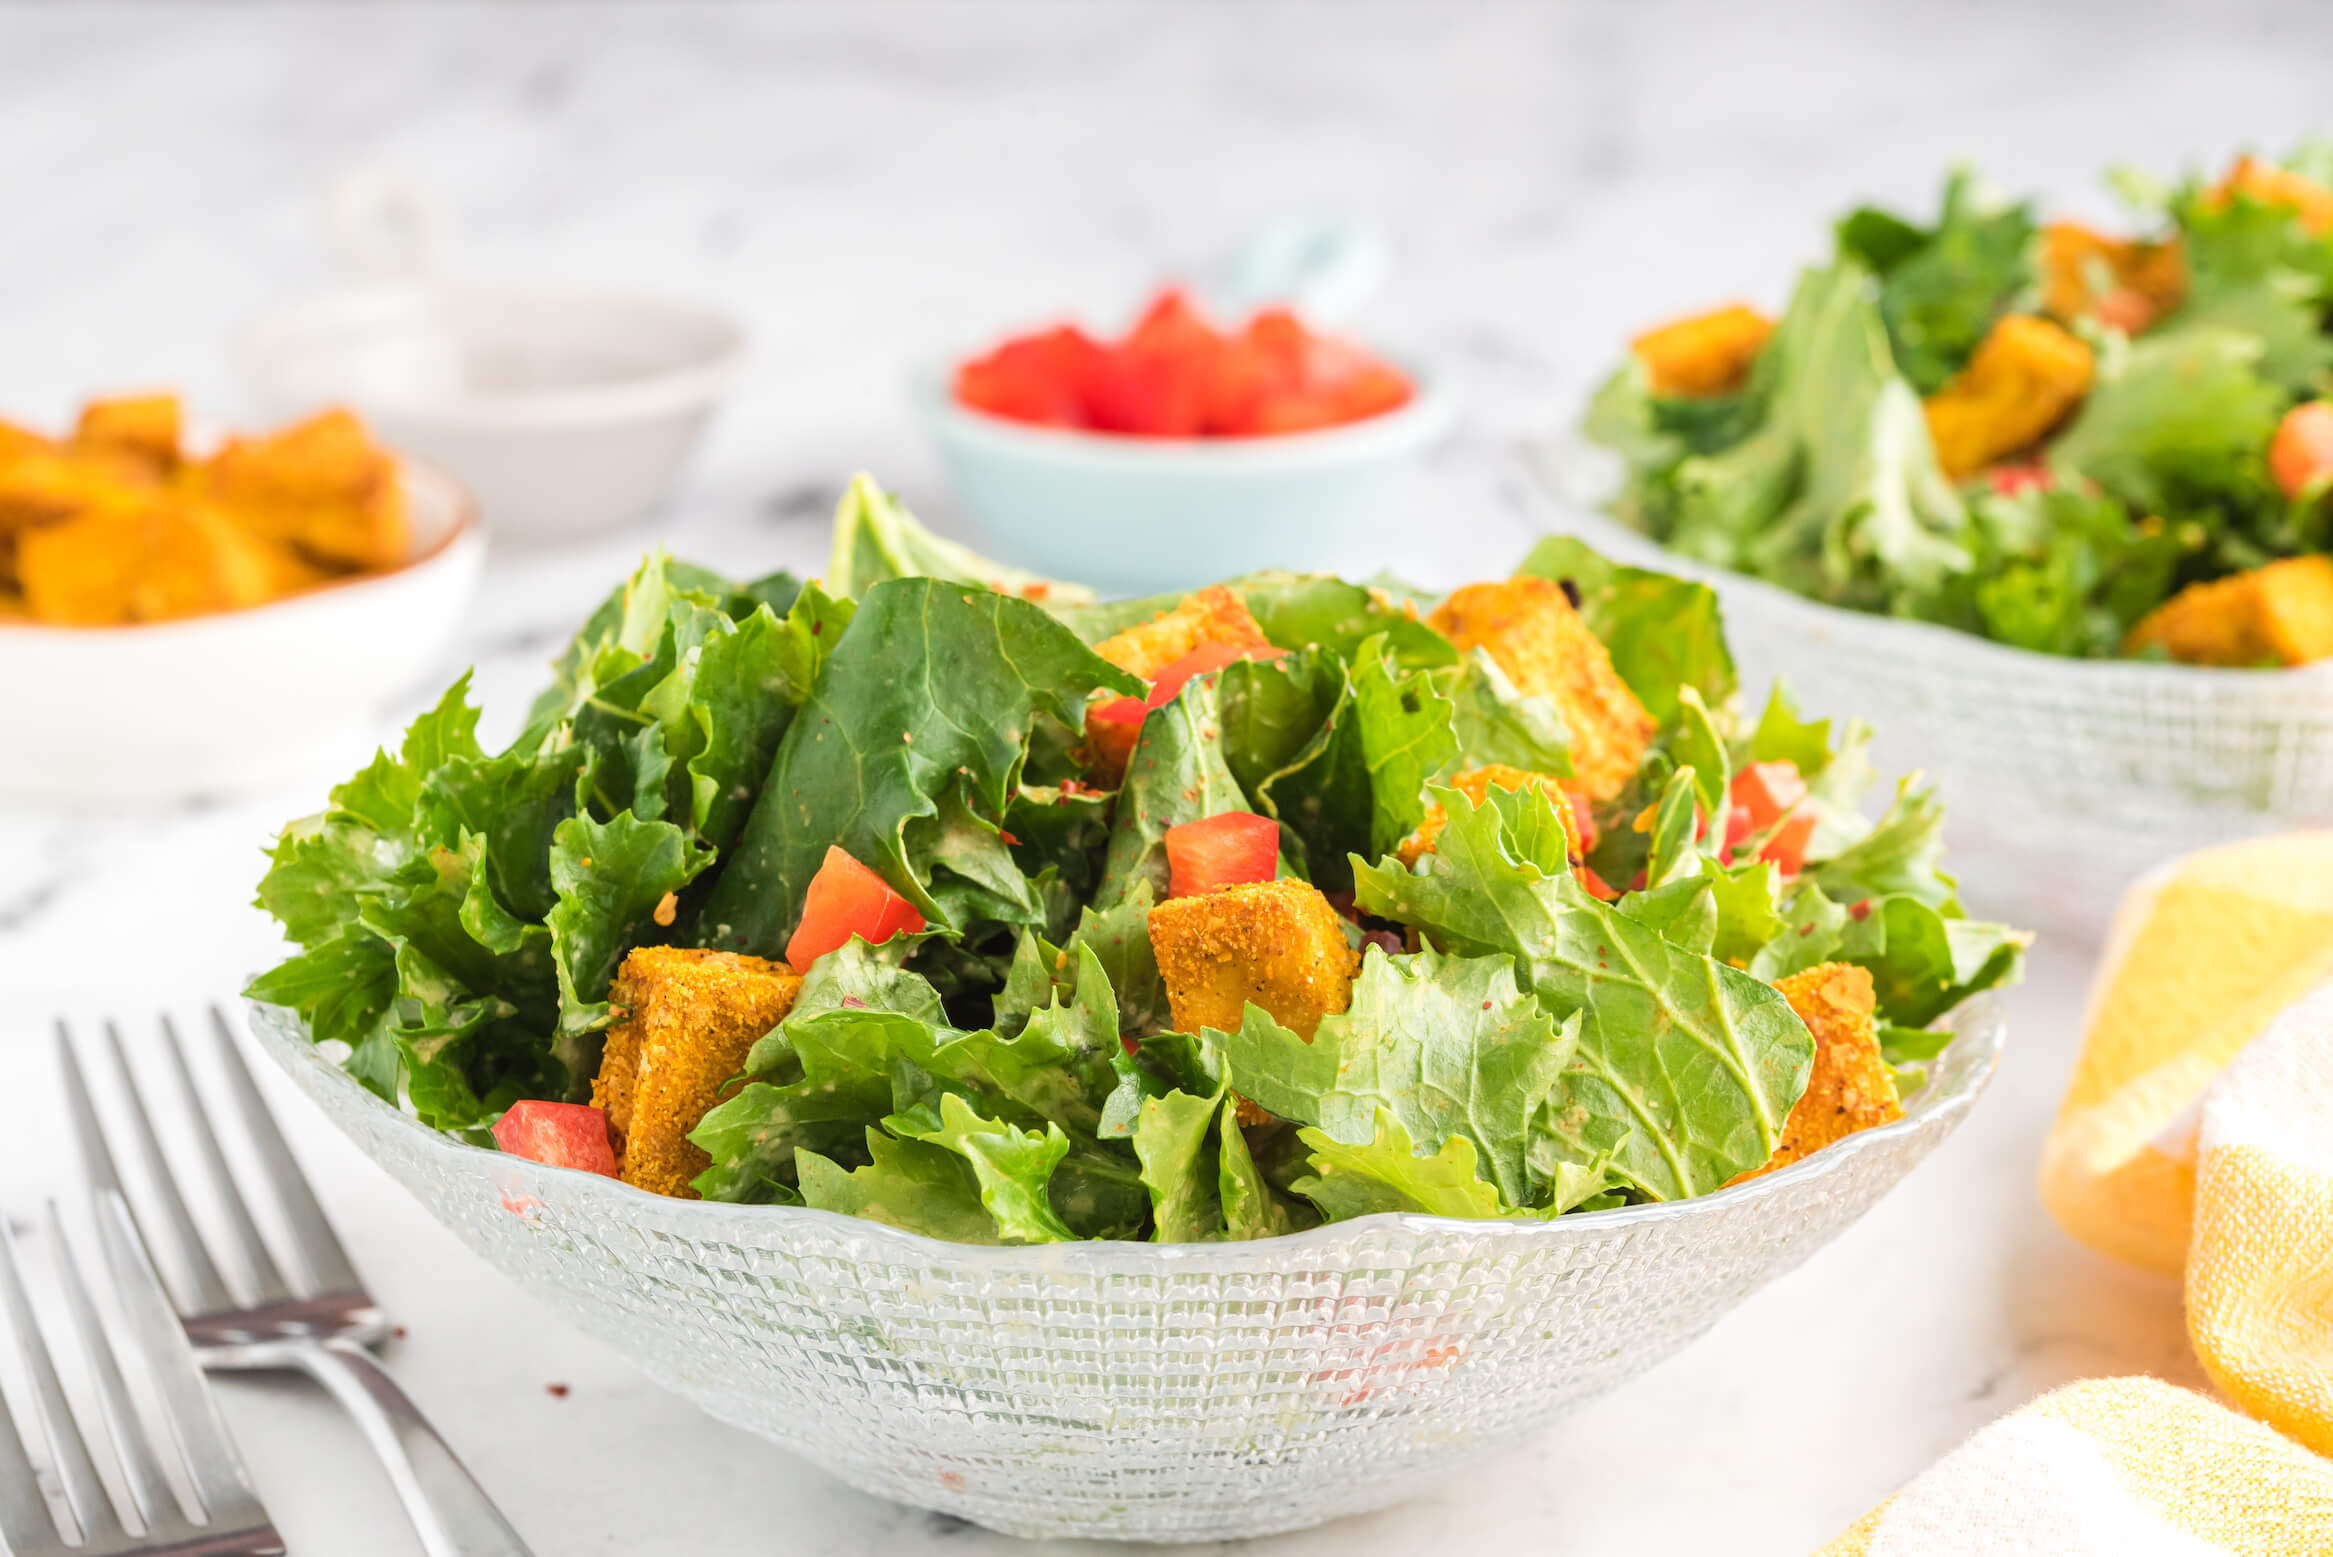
<point x="1529" y="627"/>
<point x="1707" y="354"/>
<point x="1277" y="944"/>
<point x="1215" y="614"/>
<point x="150" y="561"/>
<point x="16" y="442"/>
<point x="2119" y="282"/>
<point x="687" y="1018"/>
<point x="1476" y="784"/>
<point x="2269" y="184"/>
<point x="2024" y="379"/>
<point x="2281" y="614"/>
<point x="145" y="427"/>
<point x="1851" y="1087"/>
<point x="322" y="486"/>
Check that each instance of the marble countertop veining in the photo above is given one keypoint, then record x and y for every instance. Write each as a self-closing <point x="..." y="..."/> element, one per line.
<point x="873" y="182"/>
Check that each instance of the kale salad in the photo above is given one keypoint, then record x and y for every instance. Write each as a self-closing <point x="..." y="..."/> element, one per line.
<point x="947" y="896"/>
<point x="2070" y="441"/>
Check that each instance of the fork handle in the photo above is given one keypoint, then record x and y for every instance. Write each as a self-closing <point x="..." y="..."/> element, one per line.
<point x="450" y="1512"/>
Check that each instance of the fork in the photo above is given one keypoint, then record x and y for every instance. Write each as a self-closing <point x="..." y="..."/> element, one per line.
<point x="324" y="1325"/>
<point x="231" y="1523"/>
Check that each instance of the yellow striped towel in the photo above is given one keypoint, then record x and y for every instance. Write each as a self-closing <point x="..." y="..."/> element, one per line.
<point x="2196" y="1137"/>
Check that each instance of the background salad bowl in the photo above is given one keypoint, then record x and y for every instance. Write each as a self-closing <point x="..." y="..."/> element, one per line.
<point x="2067" y="777"/>
<point x="1126" y="1390"/>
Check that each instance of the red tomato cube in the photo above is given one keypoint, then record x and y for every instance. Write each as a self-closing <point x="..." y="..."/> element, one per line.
<point x="1767" y="791"/>
<point x="2009" y="480"/>
<point x="2301" y="453"/>
<point x="561" y="1135"/>
<point x="1044" y="378"/>
<point x="1787" y="848"/>
<point x="847" y="899"/>
<point x="1168" y="684"/>
<point x="1227" y="850"/>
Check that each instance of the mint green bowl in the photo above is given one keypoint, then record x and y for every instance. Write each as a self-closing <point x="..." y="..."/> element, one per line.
<point x="1144" y="514"/>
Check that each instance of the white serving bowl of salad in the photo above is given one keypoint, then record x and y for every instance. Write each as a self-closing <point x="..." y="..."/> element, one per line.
<point x="2019" y="569"/>
<point x="1190" y="1139"/>
<point x="1130" y="1391"/>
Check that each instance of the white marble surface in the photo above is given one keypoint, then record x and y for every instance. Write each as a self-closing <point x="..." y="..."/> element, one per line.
<point x="867" y="183"/>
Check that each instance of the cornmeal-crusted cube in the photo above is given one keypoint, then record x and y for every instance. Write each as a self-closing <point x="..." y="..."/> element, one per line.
<point x="1215" y="614"/>
<point x="2269" y="184"/>
<point x="143" y="426"/>
<point x="2123" y="282"/>
<point x="1276" y="943"/>
<point x="1528" y="626"/>
<point x="322" y="486"/>
<point x="2281" y="614"/>
<point x="1706" y="354"/>
<point x="687" y="1018"/>
<point x="1476" y="784"/>
<point x="1851" y="1087"/>
<point x="147" y="561"/>
<point x="2023" y="380"/>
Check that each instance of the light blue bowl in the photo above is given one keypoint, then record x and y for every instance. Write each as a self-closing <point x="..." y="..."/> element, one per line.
<point x="1143" y="514"/>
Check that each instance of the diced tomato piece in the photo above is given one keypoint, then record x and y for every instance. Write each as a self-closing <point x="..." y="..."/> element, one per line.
<point x="1155" y="383"/>
<point x="1737" y="826"/>
<point x="1768" y="791"/>
<point x="2301" y="453"/>
<point x="1227" y="850"/>
<point x="1787" y="848"/>
<point x="847" y="899"/>
<point x="1168" y="684"/>
<point x="562" y="1135"/>
<point x="1045" y="378"/>
<point x="2009" y="480"/>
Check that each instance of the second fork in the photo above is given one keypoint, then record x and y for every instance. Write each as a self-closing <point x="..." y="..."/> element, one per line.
<point x="322" y="1326"/>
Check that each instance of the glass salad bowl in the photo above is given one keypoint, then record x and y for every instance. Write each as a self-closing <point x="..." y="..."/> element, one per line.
<point x="1137" y="1391"/>
<point x="2066" y="777"/>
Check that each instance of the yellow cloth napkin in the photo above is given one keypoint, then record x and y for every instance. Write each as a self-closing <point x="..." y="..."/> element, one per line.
<point x="2196" y="1137"/>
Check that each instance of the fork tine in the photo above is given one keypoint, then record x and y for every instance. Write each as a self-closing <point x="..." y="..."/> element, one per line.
<point x="315" y="1243"/>
<point x="259" y="1269"/>
<point x="212" y="1464"/>
<point x="93" y="1508"/>
<point x="210" y="1292"/>
<point x="97" y="1164"/>
<point x="149" y="1486"/>
<point x="25" y="1526"/>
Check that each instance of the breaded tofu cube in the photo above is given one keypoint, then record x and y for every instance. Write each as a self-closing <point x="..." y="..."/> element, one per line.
<point x="143" y="426"/>
<point x="1707" y="354"/>
<point x="2024" y="379"/>
<point x="1476" y="784"/>
<point x="2269" y="184"/>
<point x="1851" y="1087"/>
<point x="2281" y="614"/>
<point x="149" y="561"/>
<point x="2120" y="282"/>
<point x="1277" y="944"/>
<point x="686" y="1019"/>
<point x="1531" y="630"/>
<point x="16" y="442"/>
<point x="1215" y="614"/>
<point x="321" y="486"/>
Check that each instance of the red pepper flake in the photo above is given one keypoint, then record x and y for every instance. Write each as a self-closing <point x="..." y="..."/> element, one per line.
<point x="854" y="1003"/>
<point x="398" y="1331"/>
<point x="1859" y="911"/>
<point x="1805" y="930"/>
<point x="1132" y="1047"/>
<point x="1486" y="1005"/>
<point x="1008" y="838"/>
<point x="556" y="1391"/>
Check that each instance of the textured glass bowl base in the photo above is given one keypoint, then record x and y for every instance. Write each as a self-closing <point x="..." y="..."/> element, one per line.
<point x="2064" y="779"/>
<point x="1136" y="1391"/>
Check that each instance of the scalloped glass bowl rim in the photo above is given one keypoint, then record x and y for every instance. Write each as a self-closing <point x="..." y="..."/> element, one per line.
<point x="1979" y="1019"/>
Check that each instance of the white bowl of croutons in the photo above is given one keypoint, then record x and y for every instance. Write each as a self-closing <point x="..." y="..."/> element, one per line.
<point x="210" y="625"/>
